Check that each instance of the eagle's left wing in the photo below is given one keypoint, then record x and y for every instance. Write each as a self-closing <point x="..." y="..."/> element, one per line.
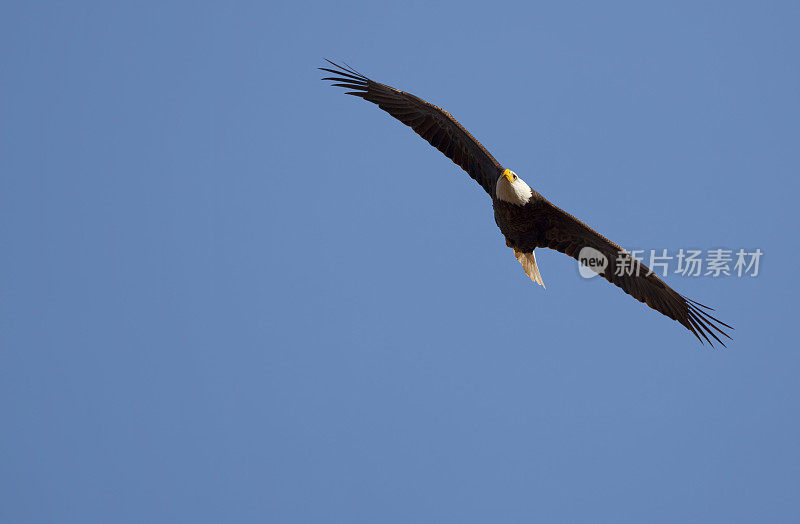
<point x="563" y="232"/>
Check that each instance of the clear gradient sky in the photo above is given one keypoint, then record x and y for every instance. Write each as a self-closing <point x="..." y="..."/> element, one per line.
<point x="229" y="293"/>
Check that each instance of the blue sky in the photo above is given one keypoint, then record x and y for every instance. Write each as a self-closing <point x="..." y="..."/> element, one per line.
<point x="228" y="293"/>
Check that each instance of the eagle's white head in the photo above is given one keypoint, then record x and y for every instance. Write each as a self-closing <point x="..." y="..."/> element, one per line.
<point x="511" y="188"/>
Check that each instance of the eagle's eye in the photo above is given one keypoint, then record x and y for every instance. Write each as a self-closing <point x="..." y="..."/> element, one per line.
<point x="514" y="178"/>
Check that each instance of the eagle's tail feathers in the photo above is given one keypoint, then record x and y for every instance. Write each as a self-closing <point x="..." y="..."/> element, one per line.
<point x="528" y="261"/>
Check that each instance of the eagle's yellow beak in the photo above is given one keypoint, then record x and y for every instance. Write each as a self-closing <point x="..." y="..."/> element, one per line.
<point x="509" y="175"/>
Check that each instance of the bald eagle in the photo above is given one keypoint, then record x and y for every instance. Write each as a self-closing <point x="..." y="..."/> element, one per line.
<point x="527" y="219"/>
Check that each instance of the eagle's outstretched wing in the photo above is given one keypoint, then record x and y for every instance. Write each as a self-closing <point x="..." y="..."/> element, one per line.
<point x="432" y="123"/>
<point x="565" y="233"/>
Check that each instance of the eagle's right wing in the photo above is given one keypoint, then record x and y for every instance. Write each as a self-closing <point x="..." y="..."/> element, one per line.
<point x="432" y="123"/>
